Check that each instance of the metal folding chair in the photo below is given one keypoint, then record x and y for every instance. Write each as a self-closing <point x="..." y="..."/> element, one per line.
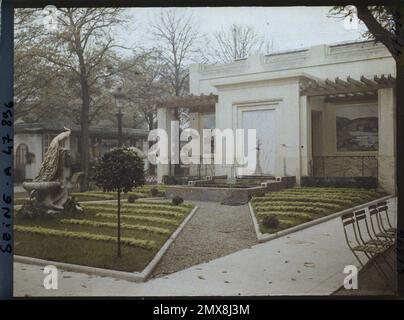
<point x="361" y="218"/>
<point x="362" y="223"/>
<point x="371" y="251"/>
<point x="387" y="226"/>
<point x="376" y="223"/>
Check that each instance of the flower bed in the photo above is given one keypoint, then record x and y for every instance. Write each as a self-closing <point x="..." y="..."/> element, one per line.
<point x="89" y="238"/>
<point x="291" y="207"/>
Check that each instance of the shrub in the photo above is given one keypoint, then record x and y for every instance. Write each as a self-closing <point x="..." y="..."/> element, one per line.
<point x="132" y="198"/>
<point x="270" y="221"/>
<point x="154" y="192"/>
<point x="101" y="224"/>
<point x="177" y="201"/>
<point x="146" y="244"/>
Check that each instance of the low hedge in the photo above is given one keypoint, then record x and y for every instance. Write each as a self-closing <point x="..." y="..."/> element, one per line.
<point x="303" y="215"/>
<point x="83" y="222"/>
<point x="139" y="218"/>
<point x="145" y="206"/>
<point x="308" y="209"/>
<point x="145" y="244"/>
<point x="134" y="212"/>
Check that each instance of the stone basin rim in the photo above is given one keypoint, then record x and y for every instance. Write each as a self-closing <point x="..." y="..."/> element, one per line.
<point x="41" y="185"/>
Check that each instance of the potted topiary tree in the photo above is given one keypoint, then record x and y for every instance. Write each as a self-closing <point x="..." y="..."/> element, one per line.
<point x="120" y="170"/>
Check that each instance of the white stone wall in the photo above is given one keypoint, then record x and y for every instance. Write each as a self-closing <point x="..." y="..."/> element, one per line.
<point x="274" y="80"/>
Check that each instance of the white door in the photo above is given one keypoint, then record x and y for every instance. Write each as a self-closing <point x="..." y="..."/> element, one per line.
<point x="265" y="124"/>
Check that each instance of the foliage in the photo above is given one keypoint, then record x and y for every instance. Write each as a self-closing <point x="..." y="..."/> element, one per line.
<point x="236" y="42"/>
<point x="146" y="244"/>
<point x="132" y="198"/>
<point x="91" y="236"/>
<point x="159" y="212"/>
<point x="85" y="222"/>
<point x="119" y="169"/>
<point x="298" y="205"/>
<point x="154" y="192"/>
<point x="139" y="218"/>
<point x="177" y="200"/>
<point x="270" y="221"/>
<point x="384" y="23"/>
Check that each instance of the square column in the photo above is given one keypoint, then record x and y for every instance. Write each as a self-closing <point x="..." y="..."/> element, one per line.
<point x="387" y="141"/>
<point x="305" y="136"/>
<point x="164" y="118"/>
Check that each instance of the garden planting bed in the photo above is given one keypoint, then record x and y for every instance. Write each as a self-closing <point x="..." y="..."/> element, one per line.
<point x="141" y="192"/>
<point x="89" y="238"/>
<point x="290" y="208"/>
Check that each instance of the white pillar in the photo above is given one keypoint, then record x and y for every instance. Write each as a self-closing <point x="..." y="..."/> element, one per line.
<point x="164" y="118"/>
<point x="305" y="136"/>
<point x="195" y="119"/>
<point x="387" y="143"/>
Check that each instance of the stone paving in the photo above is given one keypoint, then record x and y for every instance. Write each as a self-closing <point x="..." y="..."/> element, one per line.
<point x="214" y="231"/>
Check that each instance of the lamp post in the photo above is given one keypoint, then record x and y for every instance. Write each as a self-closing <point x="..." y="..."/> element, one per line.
<point x="119" y="96"/>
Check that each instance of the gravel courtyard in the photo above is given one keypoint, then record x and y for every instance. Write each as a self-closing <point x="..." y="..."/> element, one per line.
<point x="214" y="231"/>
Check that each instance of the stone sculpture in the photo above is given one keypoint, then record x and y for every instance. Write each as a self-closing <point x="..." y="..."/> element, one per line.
<point x="49" y="190"/>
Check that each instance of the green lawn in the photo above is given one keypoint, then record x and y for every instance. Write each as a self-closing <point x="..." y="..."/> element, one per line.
<point x="141" y="192"/>
<point x="298" y="205"/>
<point x="89" y="238"/>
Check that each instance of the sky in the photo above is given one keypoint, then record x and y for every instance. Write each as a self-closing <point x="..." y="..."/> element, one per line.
<point x="287" y="27"/>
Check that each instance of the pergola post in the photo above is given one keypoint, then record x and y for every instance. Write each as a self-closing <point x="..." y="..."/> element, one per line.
<point x="387" y="140"/>
<point x="305" y="135"/>
<point x="164" y="118"/>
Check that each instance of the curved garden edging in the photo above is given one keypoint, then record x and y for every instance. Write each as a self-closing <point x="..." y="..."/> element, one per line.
<point x="124" y="275"/>
<point x="263" y="237"/>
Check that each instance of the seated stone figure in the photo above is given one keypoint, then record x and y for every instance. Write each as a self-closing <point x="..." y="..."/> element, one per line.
<point x="49" y="188"/>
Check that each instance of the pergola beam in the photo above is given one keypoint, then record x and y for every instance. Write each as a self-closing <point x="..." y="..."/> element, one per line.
<point x="351" y="86"/>
<point x="196" y="103"/>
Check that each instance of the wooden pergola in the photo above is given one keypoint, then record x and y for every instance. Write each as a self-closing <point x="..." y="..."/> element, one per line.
<point x="201" y="103"/>
<point x="339" y="89"/>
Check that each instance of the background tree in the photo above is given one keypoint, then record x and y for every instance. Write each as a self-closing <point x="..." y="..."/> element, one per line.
<point x="119" y="170"/>
<point x="177" y="37"/>
<point x="236" y="42"/>
<point x="82" y="48"/>
<point x="385" y="24"/>
<point x="144" y="86"/>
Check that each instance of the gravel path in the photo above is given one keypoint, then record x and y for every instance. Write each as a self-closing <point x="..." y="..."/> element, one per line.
<point x="214" y="231"/>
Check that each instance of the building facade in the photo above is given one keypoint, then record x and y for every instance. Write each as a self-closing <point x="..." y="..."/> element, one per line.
<point x="31" y="141"/>
<point x="328" y="110"/>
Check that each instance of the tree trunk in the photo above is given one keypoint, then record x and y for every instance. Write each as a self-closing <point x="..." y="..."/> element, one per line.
<point x="118" y="226"/>
<point x="84" y="123"/>
<point x="85" y="135"/>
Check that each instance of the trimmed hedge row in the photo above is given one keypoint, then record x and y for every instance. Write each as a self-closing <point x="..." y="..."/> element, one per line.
<point x="145" y="244"/>
<point x="304" y="215"/>
<point x="139" y="218"/>
<point x="305" y="199"/>
<point x="83" y="222"/>
<point x="305" y="204"/>
<point x="309" y="209"/>
<point x="97" y="209"/>
<point x="145" y="206"/>
<point x="317" y="204"/>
